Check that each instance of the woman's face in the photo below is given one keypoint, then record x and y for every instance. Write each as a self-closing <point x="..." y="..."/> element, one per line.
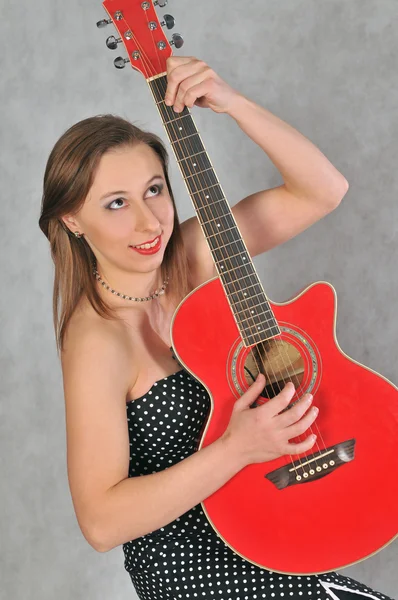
<point x="128" y="204"/>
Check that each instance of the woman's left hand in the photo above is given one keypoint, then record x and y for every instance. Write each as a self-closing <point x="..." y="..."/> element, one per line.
<point x="192" y="82"/>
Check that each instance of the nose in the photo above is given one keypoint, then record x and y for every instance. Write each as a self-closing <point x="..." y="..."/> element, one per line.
<point x="145" y="219"/>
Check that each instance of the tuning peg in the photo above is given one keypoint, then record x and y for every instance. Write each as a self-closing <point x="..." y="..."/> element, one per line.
<point x="120" y="62"/>
<point x="112" y="42"/>
<point x="103" y="23"/>
<point x="161" y="3"/>
<point x="177" y="40"/>
<point x="169" y="21"/>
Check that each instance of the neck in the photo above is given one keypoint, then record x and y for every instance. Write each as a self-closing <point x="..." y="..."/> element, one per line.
<point x="130" y="291"/>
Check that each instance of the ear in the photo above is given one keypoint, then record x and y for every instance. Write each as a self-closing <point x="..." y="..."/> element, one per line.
<point x="71" y="223"/>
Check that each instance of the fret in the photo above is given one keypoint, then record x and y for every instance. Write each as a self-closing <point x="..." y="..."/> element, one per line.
<point x="247" y="279"/>
<point x="219" y="231"/>
<point x="168" y="114"/>
<point x="177" y="119"/>
<point x="191" y="144"/>
<point x="245" y="297"/>
<point x="199" y="173"/>
<point x="218" y="252"/>
<point x="212" y="203"/>
<point x="261" y="326"/>
<point x="216" y="206"/>
<point x="177" y="130"/>
<point x="225" y="222"/>
<point x="232" y="260"/>
<point x="204" y="189"/>
<point x="258" y="336"/>
<point x="186" y="137"/>
<point x="254" y="317"/>
<point x="206" y="178"/>
<point x="229" y="276"/>
<point x="194" y="166"/>
<point x="249" y="301"/>
<point x="193" y="155"/>
<point x="238" y="268"/>
<point x="219" y="247"/>
<point x="231" y="256"/>
<point x="227" y="216"/>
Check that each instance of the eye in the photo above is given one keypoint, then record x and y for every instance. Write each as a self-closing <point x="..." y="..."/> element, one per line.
<point x="117" y="200"/>
<point x="158" y="187"/>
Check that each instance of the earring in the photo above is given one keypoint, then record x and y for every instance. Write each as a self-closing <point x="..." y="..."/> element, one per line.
<point x="77" y="234"/>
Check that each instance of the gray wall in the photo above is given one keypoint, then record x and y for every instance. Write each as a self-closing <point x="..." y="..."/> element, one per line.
<point x="329" y="69"/>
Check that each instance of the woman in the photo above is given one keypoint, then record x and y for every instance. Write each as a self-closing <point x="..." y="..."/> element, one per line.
<point x="133" y="419"/>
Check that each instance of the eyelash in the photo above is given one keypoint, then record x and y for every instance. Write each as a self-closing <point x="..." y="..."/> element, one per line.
<point x="158" y="186"/>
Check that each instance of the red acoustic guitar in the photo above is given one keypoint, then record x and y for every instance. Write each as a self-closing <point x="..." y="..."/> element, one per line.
<point x="311" y="513"/>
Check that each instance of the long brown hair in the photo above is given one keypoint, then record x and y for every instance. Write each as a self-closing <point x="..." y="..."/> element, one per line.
<point x="69" y="175"/>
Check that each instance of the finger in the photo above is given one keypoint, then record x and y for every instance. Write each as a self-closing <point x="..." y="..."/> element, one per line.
<point x="176" y="73"/>
<point x="292" y="415"/>
<point x="302" y="426"/>
<point x="190" y="90"/>
<point x="251" y="394"/>
<point x="281" y="401"/>
<point x="301" y="447"/>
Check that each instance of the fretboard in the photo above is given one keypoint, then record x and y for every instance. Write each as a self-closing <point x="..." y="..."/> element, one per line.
<point x="243" y="289"/>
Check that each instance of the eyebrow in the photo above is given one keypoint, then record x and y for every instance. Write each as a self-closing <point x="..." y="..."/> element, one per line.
<point x="125" y="192"/>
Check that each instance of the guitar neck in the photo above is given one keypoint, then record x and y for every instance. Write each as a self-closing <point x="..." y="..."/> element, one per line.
<point x="243" y="289"/>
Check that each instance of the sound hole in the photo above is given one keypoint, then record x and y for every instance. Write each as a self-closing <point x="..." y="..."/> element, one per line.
<point x="279" y="361"/>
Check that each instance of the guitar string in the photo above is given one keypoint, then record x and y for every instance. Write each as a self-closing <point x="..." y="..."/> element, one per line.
<point x="161" y="93"/>
<point x="156" y="83"/>
<point x="171" y="123"/>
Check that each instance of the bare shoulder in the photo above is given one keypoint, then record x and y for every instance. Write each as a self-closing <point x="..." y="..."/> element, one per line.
<point x="199" y="256"/>
<point x="93" y="343"/>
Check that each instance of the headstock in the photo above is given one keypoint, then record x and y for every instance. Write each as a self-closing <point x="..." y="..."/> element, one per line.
<point x="141" y="33"/>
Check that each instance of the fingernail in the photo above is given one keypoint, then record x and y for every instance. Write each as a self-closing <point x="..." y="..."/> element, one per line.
<point x="309" y="398"/>
<point x="315" y="409"/>
<point x="167" y="101"/>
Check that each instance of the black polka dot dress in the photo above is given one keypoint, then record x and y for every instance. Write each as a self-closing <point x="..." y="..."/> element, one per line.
<point x="186" y="559"/>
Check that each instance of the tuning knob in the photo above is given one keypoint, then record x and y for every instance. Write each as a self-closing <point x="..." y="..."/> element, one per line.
<point x="103" y="23"/>
<point x="177" y="40"/>
<point x="112" y="42"/>
<point x="160" y="3"/>
<point x="169" y="21"/>
<point x="120" y="62"/>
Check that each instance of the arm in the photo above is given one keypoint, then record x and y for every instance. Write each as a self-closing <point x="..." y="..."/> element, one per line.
<point x="306" y="171"/>
<point x="111" y="508"/>
<point x="137" y="506"/>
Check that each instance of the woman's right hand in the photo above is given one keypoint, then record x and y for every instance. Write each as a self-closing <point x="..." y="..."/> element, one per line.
<point x="261" y="434"/>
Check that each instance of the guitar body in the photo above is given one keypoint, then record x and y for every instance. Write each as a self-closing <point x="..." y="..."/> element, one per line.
<point x="345" y="508"/>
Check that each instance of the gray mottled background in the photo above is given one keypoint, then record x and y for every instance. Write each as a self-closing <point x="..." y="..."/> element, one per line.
<point x="329" y="68"/>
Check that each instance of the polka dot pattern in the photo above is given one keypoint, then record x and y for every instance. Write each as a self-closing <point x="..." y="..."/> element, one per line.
<point x="186" y="559"/>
